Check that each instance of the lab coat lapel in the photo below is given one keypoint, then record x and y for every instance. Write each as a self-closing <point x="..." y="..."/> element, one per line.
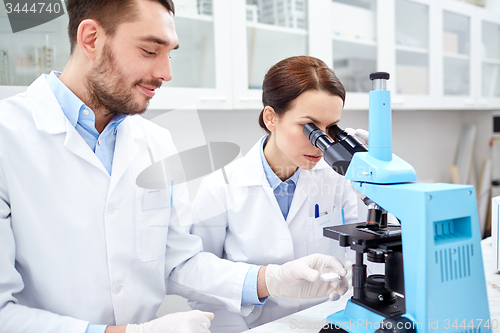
<point x="302" y="191"/>
<point x="49" y="117"/>
<point x="130" y="139"/>
<point x="75" y="143"/>
<point x="47" y="113"/>
<point x="252" y="174"/>
<point x="306" y="186"/>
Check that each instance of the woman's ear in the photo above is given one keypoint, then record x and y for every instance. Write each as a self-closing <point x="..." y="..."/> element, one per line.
<point x="270" y="118"/>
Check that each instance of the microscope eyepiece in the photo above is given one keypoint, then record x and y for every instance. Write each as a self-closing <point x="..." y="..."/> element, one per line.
<point x="338" y="153"/>
<point x="337" y="133"/>
<point x="317" y="137"/>
<point x="379" y="75"/>
<point x="379" y="80"/>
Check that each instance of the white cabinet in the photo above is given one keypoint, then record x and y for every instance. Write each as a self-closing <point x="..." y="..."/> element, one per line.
<point x="490" y="60"/>
<point x="437" y="52"/>
<point x="412" y="48"/>
<point x="264" y="32"/>
<point x="441" y="54"/>
<point x="354" y="42"/>
<point x="201" y="66"/>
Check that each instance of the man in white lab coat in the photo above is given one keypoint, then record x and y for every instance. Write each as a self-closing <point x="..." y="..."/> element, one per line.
<point x="82" y="247"/>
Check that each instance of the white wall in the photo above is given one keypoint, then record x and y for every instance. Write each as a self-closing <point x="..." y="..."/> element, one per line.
<point x="426" y="139"/>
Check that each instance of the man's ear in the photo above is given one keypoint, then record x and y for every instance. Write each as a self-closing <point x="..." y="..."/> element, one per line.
<point x="270" y="118"/>
<point x="90" y="36"/>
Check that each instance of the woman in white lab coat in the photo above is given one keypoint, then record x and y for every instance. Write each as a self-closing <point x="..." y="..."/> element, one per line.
<point x="261" y="208"/>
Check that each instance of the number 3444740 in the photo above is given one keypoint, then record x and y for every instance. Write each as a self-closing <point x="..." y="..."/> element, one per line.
<point x="32" y="8"/>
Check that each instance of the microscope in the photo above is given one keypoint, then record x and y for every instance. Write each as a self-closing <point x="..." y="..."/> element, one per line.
<point x="434" y="278"/>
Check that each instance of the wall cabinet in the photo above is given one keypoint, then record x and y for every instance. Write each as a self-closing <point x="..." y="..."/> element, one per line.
<point x="441" y="54"/>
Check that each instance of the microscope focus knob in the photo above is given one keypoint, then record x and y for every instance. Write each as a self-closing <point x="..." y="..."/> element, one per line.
<point x="376" y="293"/>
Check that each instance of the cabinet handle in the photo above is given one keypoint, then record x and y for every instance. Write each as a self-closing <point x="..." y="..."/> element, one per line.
<point x="469" y="102"/>
<point x="399" y="101"/>
<point x="483" y="102"/>
<point x="213" y="99"/>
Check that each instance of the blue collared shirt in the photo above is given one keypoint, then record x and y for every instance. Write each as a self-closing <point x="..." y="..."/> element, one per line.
<point x="83" y="119"/>
<point x="283" y="191"/>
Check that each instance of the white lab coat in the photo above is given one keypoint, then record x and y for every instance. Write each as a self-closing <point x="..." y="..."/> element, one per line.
<point x="241" y="221"/>
<point x="78" y="245"/>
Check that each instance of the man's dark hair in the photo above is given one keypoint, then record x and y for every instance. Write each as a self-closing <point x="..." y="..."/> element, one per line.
<point x="109" y="14"/>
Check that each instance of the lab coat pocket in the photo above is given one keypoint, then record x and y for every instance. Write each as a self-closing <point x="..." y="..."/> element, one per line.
<point x="153" y="215"/>
<point x="154" y="199"/>
<point x="328" y="220"/>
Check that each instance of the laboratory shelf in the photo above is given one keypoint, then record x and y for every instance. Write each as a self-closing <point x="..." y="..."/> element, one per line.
<point x="411" y="49"/>
<point x="354" y="40"/>
<point x="272" y="27"/>
<point x="456" y="56"/>
<point x="491" y="61"/>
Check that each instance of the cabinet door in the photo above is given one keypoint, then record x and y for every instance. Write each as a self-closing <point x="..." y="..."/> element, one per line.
<point x="490" y="62"/>
<point x="354" y="46"/>
<point x="460" y="62"/>
<point x="490" y="87"/>
<point x="201" y="75"/>
<point x="27" y="54"/>
<point x="456" y="54"/>
<point x="354" y="42"/>
<point x="265" y="32"/>
<point x="412" y="48"/>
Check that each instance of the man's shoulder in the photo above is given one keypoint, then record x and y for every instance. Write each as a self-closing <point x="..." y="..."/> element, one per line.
<point x="37" y="96"/>
<point x="15" y="100"/>
<point x="13" y="105"/>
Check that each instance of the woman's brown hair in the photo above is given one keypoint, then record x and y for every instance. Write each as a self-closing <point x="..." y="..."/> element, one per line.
<point x="290" y="77"/>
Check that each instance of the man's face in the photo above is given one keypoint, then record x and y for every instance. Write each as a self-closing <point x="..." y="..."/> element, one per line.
<point x="134" y="62"/>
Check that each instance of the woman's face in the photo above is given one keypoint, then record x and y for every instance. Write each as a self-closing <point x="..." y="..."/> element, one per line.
<point x="312" y="106"/>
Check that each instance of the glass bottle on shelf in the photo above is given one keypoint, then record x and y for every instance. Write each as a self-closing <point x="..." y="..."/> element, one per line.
<point x="193" y="64"/>
<point x="490" y="60"/>
<point x="27" y="54"/>
<point x="412" y="48"/>
<point x="354" y="42"/>
<point x="456" y="50"/>
<point x="276" y="29"/>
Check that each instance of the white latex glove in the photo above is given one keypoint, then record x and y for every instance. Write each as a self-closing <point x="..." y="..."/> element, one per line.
<point x="182" y="322"/>
<point x="300" y="278"/>
<point x="360" y="134"/>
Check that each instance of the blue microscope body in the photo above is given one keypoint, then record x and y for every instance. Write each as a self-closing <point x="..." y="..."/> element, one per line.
<point x="433" y="259"/>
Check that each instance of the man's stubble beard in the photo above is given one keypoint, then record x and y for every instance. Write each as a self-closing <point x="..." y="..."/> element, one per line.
<point x="107" y="88"/>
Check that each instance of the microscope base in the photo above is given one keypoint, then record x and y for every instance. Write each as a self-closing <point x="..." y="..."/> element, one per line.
<point x="354" y="318"/>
